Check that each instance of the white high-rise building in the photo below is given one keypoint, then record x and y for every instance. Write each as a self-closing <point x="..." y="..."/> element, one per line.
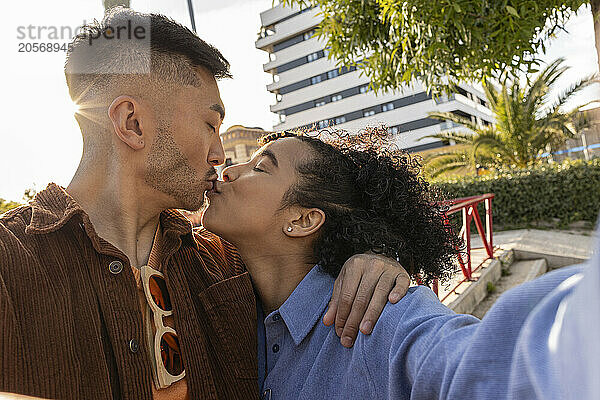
<point x="311" y="91"/>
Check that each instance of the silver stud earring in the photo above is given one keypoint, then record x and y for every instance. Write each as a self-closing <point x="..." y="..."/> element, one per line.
<point x="290" y="229"/>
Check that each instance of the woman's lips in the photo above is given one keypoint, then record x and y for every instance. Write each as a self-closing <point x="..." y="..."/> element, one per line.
<point x="214" y="189"/>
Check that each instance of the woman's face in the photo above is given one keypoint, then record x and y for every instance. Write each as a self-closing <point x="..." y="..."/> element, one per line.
<point x="247" y="205"/>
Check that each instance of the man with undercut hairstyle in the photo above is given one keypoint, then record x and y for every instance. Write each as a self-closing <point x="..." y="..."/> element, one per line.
<point x="106" y="292"/>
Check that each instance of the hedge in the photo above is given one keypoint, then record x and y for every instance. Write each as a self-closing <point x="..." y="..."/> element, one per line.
<point x="559" y="193"/>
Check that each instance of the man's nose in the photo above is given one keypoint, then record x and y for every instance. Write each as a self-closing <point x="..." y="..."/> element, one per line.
<point x="216" y="154"/>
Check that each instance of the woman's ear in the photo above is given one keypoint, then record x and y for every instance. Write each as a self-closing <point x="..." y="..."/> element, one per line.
<point x="125" y="113"/>
<point x="306" y="223"/>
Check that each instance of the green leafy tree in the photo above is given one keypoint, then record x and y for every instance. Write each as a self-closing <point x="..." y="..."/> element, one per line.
<point x="6" y="205"/>
<point x="29" y="194"/>
<point x="442" y="41"/>
<point x="527" y="125"/>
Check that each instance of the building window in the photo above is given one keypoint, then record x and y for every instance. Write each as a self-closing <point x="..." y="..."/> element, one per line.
<point x="315" y="79"/>
<point x="336" y="97"/>
<point x="387" y="107"/>
<point x="448" y="125"/>
<point x="364" y="89"/>
<point x="368" y="113"/>
<point x="461" y="91"/>
<point x="308" y="35"/>
<point x="393" y="130"/>
<point x="332" y="74"/>
<point x="443" y="98"/>
<point x="320" y="103"/>
<point x="340" y="120"/>
<point x="322" y="124"/>
<point x="326" y="52"/>
<point x="312" y="57"/>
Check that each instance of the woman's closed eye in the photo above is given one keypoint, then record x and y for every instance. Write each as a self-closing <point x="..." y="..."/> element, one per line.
<point x="260" y="166"/>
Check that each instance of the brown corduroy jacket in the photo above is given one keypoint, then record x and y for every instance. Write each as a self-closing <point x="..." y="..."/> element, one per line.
<point x="71" y="328"/>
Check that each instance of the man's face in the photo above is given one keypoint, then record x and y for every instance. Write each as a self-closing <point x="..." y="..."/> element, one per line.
<point x="187" y="146"/>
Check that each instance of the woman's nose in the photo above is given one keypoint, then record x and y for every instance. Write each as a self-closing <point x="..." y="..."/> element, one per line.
<point x="229" y="173"/>
<point x="233" y="172"/>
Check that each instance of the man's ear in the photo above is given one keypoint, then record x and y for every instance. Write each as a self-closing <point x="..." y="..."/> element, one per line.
<point x="305" y="223"/>
<point x="125" y="114"/>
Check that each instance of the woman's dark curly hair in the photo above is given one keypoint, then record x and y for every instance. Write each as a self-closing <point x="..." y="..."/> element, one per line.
<point x="374" y="200"/>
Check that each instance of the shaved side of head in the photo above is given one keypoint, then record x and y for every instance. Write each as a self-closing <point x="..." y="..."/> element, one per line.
<point x="130" y="53"/>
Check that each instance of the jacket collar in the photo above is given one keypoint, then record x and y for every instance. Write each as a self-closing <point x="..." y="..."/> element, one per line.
<point x="303" y="309"/>
<point x="53" y="207"/>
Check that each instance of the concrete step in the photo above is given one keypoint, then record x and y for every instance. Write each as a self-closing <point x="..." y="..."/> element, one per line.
<point x="514" y="274"/>
<point x="535" y="252"/>
<point x="559" y="249"/>
<point x="526" y="270"/>
<point x="469" y="294"/>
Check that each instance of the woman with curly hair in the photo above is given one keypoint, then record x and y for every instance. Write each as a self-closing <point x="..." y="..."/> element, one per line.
<point x="300" y="207"/>
<point x="296" y="211"/>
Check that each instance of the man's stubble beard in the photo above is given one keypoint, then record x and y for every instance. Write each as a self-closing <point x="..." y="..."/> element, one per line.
<point x="169" y="171"/>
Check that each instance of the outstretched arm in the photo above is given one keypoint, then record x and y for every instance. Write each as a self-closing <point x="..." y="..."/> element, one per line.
<point x="360" y="292"/>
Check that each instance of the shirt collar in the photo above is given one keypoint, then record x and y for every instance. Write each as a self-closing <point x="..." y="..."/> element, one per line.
<point x="53" y="207"/>
<point x="303" y="309"/>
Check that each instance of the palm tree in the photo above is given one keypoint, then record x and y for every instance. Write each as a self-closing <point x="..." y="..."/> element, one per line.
<point x="527" y="125"/>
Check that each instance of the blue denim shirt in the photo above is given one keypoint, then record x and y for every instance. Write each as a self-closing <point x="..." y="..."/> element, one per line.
<point x="419" y="349"/>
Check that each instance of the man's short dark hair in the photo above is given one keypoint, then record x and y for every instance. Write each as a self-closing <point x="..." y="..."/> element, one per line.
<point x="169" y="52"/>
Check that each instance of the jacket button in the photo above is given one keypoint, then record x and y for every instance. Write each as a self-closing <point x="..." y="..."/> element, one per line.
<point x="134" y="346"/>
<point x="275" y="348"/>
<point x="115" y="267"/>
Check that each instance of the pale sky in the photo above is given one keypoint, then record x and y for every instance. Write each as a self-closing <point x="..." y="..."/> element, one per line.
<point x="40" y="141"/>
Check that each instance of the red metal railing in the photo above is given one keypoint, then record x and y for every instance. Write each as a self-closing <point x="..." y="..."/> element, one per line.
<point x="467" y="206"/>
